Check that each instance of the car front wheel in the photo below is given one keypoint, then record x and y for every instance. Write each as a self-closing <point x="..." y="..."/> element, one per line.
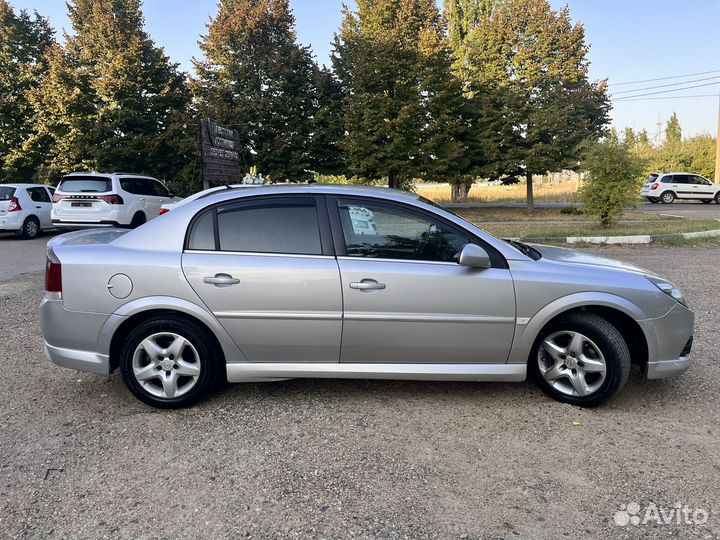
<point x="169" y="363"/>
<point x="580" y="359"/>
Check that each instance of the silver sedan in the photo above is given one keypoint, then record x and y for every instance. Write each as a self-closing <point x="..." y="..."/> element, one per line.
<point x="278" y="282"/>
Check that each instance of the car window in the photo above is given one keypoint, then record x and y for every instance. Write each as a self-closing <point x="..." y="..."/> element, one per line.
<point x="51" y="190"/>
<point x="681" y="179"/>
<point x="377" y="231"/>
<point x="700" y="181"/>
<point x="128" y="184"/>
<point x="38" y="194"/>
<point x="667" y="179"/>
<point x="289" y="226"/>
<point x="85" y="184"/>
<point x="158" y="189"/>
<point x="6" y="193"/>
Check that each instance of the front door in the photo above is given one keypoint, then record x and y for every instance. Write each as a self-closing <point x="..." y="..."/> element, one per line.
<point x="265" y="269"/>
<point x="406" y="300"/>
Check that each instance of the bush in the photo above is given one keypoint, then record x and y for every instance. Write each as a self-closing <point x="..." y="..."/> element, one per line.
<point x="614" y="177"/>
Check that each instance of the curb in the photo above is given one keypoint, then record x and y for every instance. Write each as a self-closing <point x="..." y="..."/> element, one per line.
<point x="639" y="239"/>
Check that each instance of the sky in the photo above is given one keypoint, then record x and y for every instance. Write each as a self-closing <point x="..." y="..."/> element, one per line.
<point x="630" y="40"/>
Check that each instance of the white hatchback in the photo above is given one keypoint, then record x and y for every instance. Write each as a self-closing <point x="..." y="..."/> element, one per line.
<point x="25" y="209"/>
<point x="666" y="187"/>
<point x="108" y="200"/>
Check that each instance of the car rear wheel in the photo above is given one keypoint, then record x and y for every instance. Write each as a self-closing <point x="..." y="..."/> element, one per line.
<point x="580" y="359"/>
<point x="30" y="228"/>
<point x="653" y="200"/>
<point x="169" y="363"/>
<point x="707" y="201"/>
<point x="668" y="197"/>
<point x="137" y="220"/>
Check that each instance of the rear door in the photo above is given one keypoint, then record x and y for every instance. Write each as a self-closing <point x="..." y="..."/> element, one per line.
<point x="406" y="299"/>
<point x="162" y="196"/>
<point x="42" y="205"/>
<point x="266" y="269"/>
<point x="681" y="186"/>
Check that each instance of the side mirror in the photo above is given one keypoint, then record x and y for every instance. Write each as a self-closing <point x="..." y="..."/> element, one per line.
<point x="473" y="256"/>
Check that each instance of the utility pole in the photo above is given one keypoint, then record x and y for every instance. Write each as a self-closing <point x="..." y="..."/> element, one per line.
<point x="717" y="147"/>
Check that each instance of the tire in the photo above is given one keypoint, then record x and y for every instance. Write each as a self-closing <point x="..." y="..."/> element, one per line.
<point x="555" y="373"/>
<point x="137" y="220"/>
<point x="717" y="197"/>
<point x="668" y="197"/>
<point x="653" y="200"/>
<point x="30" y="229"/>
<point x="166" y="381"/>
<point x="707" y="201"/>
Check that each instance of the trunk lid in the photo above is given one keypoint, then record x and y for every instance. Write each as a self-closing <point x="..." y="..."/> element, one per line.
<point x="87" y="237"/>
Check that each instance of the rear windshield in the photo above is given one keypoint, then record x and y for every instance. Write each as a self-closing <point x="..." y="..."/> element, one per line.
<point x="6" y="193"/>
<point x="85" y="184"/>
<point x="651" y="178"/>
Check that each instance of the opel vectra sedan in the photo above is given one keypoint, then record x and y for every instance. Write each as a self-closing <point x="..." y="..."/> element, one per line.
<point x="279" y="282"/>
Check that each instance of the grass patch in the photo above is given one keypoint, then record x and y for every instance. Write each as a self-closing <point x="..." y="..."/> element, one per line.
<point x="552" y="222"/>
<point x="713" y="241"/>
<point x="481" y="193"/>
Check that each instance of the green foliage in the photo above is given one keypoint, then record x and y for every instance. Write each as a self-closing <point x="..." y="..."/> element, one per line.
<point x="673" y="131"/>
<point x="111" y="99"/>
<point x="535" y="60"/>
<point x="256" y="78"/>
<point x="23" y="43"/>
<point x="614" y="176"/>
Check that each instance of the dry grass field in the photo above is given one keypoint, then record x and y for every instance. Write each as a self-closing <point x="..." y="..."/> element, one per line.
<point x="544" y="192"/>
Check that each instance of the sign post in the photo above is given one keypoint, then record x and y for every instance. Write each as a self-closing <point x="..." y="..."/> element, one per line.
<point x="219" y="153"/>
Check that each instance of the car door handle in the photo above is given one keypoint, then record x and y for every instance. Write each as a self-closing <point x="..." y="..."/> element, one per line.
<point x="367" y="285"/>
<point x="220" y="280"/>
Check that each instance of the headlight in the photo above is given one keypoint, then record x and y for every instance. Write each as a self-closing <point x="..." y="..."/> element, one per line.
<point x="668" y="288"/>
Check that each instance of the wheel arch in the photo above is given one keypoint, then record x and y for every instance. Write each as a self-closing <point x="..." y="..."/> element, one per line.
<point x="127" y="317"/>
<point x="620" y="312"/>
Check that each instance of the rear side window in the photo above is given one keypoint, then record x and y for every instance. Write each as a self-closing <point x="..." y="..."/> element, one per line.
<point x="288" y="226"/>
<point x="85" y="184"/>
<point x="668" y="179"/>
<point x="38" y="194"/>
<point x="6" y="193"/>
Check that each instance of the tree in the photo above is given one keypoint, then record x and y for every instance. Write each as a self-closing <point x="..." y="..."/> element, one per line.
<point x="539" y="58"/>
<point x="111" y="98"/>
<point x="23" y="43"/>
<point x="393" y="62"/>
<point x="462" y="17"/>
<point x="673" y="131"/>
<point x="257" y="78"/>
<point x="328" y="125"/>
<point x="614" y="176"/>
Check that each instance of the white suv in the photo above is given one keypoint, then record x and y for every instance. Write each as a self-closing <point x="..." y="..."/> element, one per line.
<point x="666" y="187"/>
<point x="108" y="200"/>
<point x="25" y="209"/>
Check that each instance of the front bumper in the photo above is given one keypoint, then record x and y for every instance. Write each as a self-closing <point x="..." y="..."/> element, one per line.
<point x="669" y="355"/>
<point x="72" y="338"/>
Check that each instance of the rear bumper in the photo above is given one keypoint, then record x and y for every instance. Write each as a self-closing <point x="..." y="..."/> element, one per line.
<point x="79" y="360"/>
<point x="85" y="224"/>
<point x="11" y="222"/>
<point x="72" y="338"/>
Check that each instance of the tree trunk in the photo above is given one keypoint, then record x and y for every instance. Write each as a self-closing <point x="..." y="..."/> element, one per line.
<point x="459" y="192"/>
<point x="392" y="181"/>
<point x="530" y="197"/>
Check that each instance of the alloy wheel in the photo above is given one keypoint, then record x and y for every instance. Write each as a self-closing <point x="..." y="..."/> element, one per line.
<point x="572" y="363"/>
<point x="166" y="365"/>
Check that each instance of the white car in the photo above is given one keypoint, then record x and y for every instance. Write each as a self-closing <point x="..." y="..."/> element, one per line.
<point x="25" y="209"/>
<point x="108" y="200"/>
<point x="666" y="187"/>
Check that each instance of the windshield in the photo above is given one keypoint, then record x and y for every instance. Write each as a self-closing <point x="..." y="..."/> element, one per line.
<point x="85" y="184"/>
<point x="6" y="193"/>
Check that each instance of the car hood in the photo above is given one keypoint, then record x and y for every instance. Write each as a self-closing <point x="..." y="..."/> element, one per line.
<point x="574" y="256"/>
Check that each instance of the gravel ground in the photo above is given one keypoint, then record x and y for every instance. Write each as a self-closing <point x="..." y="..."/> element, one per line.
<point x="366" y="459"/>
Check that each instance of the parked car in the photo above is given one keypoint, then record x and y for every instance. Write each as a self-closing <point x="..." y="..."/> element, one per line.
<point x="108" y="200"/>
<point x="25" y="209"/>
<point x="666" y="187"/>
<point x="281" y="282"/>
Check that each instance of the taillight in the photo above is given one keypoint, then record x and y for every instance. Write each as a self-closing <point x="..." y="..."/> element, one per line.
<point x="53" y="278"/>
<point x="164" y="211"/>
<point x="14" y="205"/>
<point x="112" y="199"/>
<point x="655" y="186"/>
<point x="58" y="198"/>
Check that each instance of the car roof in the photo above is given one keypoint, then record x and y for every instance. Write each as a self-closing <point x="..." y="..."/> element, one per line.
<point x="106" y="174"/>
<point x="318" y="189"/>
<point x="23" y="185"/>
